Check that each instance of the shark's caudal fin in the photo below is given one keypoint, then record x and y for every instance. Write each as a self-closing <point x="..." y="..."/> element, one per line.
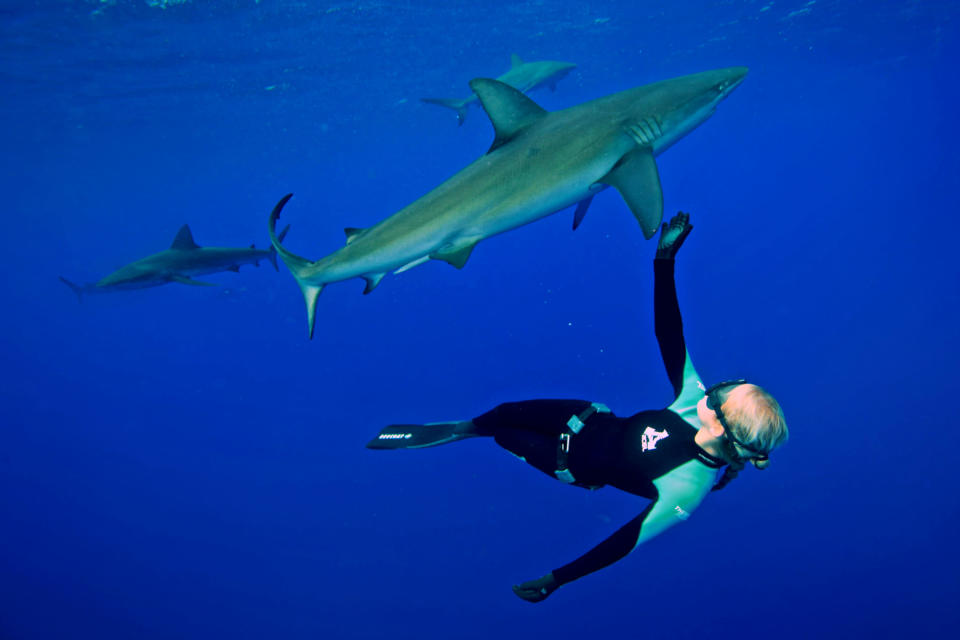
<point x="77" y="289"/>
<point x="460" y="106"/>
<point x="296" y="264"/>
<point x="273" y="251"/>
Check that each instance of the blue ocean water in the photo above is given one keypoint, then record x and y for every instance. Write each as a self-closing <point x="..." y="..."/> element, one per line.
<point x="183" y="462"/>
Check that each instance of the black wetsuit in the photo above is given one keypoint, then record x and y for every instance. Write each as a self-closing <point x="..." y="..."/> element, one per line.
<point x="651" y="454"/>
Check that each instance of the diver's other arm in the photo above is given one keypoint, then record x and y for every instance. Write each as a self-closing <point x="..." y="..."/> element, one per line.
<point x="537" y="590"/>
<point x="672" y="507"/>
<point x="617" y="546"/>
<point x="668" y="323"/>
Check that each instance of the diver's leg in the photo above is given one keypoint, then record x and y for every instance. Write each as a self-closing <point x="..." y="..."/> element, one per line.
<point x="544" y="418"/>
<point x="419" y="436"/>
<point x="530" y="429"/>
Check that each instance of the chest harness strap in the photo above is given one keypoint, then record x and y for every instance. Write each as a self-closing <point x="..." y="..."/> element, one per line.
<point x="573" y="427"/>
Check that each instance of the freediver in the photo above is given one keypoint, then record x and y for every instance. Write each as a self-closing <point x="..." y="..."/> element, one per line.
<point x="671" y="456"/>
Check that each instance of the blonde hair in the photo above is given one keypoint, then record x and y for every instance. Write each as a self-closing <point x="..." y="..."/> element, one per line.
<point x="756" y="418"/>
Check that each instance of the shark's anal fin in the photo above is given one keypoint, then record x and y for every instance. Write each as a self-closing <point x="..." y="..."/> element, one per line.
<point x="635" y="176"/>
<point x="581" y="211"/>
<point x="456" y="255"/>
<point x="190" y="281"/>
<point x="372" y="279"/>
<point x="509" y="110"/>
<point x="184" y="239"/>
<point x="352" y="233"/>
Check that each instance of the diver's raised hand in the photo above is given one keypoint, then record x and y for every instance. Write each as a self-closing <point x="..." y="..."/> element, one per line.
<point x="536" y="590"/>
<point x="673" y="234"/>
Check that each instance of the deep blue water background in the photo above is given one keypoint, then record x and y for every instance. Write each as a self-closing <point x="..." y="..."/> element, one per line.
<point x="182" y="462"/>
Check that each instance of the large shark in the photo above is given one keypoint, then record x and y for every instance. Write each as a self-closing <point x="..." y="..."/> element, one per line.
<point x="523" y="76"/>
<point x="539" y="163"/>
<point x="183" y="260"/>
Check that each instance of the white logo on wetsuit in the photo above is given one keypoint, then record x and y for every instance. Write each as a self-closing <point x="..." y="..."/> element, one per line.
<point x="651" y="437"/>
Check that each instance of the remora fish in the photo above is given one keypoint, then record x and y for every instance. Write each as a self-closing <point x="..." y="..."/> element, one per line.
<point x="538" y="164"/>
<point x="523" y="76"/>
<point x="183" y="260"/>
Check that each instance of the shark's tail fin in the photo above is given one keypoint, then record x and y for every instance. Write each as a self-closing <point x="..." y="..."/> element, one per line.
<point x="460" y="106"/>
<point x="273" y="251"/>
<point x="297" y="265"/>
<point x="77" y="289"/>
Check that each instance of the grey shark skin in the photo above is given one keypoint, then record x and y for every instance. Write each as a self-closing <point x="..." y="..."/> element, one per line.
<point x="539" y="163"/>
<point x="180" y="263"/>
<point x="523" y="76"/>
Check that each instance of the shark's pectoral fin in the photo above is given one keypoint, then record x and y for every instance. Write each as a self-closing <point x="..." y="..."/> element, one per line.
<point x="373" y="279"/>
<point x="352" y="233"/>
<point x="581" y="211"/>
<point x="635" y="176"/>
<point x="455" y="255"/>
<point x="184" y="239"/>
<point x="190" y="281"/>
<point x="509" y="110"/>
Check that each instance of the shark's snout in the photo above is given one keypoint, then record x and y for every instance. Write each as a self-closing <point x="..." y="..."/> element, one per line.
<point x="735" y="78"/>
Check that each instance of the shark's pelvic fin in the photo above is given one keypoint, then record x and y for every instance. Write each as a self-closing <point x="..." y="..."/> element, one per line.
<point x="191" y="281"/>
<point x="515" y="60"/>
<point x="456" y="255"/>
<point x="581" y="211"/>
<point x="372" y="279"/>
<point x="352" y="233"/>
<point x="635" y="176"/>
<point x="509" y="110"/>
<point x="184" y="239"/>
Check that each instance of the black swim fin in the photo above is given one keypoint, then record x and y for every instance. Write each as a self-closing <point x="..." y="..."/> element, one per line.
<point x="418" y="436"/>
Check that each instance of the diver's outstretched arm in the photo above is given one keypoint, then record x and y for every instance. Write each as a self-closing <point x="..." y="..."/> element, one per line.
<point x="668" y="323"/>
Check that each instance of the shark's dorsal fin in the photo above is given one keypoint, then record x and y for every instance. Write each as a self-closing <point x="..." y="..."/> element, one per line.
<point x="184" y="239"/>
<point x="635" y="176"/>
<point x="457" y="255"/>
<point x="352" y="233"/>
<point x="509" y="110"/>
<point x="515" y="61"/>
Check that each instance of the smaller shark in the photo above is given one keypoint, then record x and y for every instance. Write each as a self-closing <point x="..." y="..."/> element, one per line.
<point x="183" y="260"/>
<point x="523" y="76"/>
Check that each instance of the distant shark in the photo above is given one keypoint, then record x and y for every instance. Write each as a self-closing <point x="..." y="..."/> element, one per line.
<point x="523" y="76"/>
<point x="183" y="260"/>
<point x="539" y="163"/>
